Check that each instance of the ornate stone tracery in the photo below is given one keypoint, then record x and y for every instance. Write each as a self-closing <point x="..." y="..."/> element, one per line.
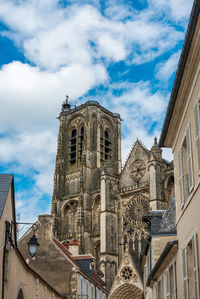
<point x="138" y="170"/>
<point x="135" y="210"/>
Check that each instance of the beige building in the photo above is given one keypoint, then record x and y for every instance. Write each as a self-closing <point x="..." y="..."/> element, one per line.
<point x="175" y="273"/>
<point x="18" y="280"/>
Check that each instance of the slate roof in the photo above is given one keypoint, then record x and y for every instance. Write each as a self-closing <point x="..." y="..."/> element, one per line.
<point x="5" y="181"/>
<point x="168" y="222"/>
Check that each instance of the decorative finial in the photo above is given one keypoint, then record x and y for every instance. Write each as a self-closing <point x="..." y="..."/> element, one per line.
<point x="155" y="140"/>
<point x="66" y="105"/>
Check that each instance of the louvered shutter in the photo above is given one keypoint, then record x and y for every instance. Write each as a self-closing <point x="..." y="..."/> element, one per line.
<point x="181" y="177"/>
<point x="195" y="267"/>
<point x="189" y="159"/>
<point x="185" y="274"/>
<point x="197" y="125"/>
<point x="168" y="285"/>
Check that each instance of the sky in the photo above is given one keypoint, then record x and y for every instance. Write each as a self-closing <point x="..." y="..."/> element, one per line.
<point x="121" y="53"/>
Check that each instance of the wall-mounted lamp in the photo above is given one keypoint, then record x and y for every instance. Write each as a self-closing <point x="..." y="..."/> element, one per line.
<point x="33" y="242"/>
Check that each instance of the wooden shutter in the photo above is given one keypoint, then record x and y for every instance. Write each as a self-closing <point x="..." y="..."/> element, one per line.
<point x="189" y="159"/>
<point x="185" y="274"/>
<point x="195" y="267"/>
<point x="197" y="125"/>
<point x="167" y="285"/>
<point x="181" y="177"/>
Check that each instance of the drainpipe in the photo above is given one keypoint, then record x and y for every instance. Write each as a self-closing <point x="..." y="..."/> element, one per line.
<point x="7" y="232"/>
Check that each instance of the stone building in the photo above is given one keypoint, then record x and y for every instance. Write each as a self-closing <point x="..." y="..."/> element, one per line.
<point x="95" y="200"/>
<point x="71" y="274"/>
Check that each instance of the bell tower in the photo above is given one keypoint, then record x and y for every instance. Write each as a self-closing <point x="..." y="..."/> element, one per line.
<point x="89" y="143"/>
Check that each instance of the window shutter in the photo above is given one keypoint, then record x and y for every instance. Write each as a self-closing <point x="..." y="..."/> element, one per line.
<point x="189" y="158"/>
<point x="197" y="125"/>
<point x="195" y="267"/>
<point x="185" y="274"/>
<point x="161" y="289"/>
<point x="168" y="285"/>
<point x="174" y="278"/>
<point x="157" y="292"/>
<point x="181" y="176"/>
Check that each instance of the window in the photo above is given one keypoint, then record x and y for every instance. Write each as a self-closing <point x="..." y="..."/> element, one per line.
<point x="185" y="167"/>
<point x="105" y="145"/>
<point x="87" y="289"/>
<point x="92" y="292"/>
<point x="81" y="285"/>
<point x="190" y="270"/>
<point x="197" y="125"/>
<point x="81" y="138"/>
<point x="159" y="290"/>
<point x="171" y="282"/>
<point x="73" y="147"/>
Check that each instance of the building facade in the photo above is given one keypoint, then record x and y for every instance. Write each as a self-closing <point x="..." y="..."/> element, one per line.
<point x="18" y="280"/>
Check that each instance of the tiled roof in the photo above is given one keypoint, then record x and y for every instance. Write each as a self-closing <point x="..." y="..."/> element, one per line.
<point x="66" y="252"/>
<point x="5" y="181"/>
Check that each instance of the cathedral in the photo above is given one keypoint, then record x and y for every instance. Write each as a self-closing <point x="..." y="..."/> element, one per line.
<point x="101" y="205"/>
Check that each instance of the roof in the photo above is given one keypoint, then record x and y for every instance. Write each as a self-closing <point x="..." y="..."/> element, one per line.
<point x="168" y="222"/>
<point x="77" y="261"/>
<point x="5" y="182"/>
<point x="169" y="246"/>
<point x="180" y="69"/>
<point x="91" y="103"/>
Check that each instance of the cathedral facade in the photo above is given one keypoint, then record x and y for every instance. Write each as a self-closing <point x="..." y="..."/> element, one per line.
<point x="97" y="202"/>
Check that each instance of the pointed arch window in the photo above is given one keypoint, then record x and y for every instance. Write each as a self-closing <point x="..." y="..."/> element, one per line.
<point x="81" y="138"/>
<point x="105" y="145"/>
<point x="73" y="147"/>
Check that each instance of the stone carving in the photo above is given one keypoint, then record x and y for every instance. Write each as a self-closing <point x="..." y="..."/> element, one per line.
<point x="138" y="170"/>
<point x="135" y="210"/>
<point x="127" y="273"/>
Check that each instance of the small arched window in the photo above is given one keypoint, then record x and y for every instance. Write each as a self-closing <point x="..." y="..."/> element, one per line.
<point x="20" y="294"/>
<point x="73" y="147"/>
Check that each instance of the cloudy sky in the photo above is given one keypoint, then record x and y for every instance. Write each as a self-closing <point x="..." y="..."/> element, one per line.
<point x="122" y="53"/>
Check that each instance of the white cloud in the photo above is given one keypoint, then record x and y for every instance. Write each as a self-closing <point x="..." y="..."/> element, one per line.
<point x="56" y="37"/>
<point x="177" y="10"/>
<point x="31" y="97"/>
<point x="167" y="68"/>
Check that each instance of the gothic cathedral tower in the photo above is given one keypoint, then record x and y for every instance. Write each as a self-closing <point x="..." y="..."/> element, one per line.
<point x="88" y="166"/>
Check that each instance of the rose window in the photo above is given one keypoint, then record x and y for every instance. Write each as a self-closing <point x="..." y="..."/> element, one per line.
<point x="138" y="170"/>
<point x="127" y="273"/>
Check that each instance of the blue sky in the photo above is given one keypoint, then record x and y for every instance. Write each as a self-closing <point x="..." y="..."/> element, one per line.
<point x="123" y="54"/>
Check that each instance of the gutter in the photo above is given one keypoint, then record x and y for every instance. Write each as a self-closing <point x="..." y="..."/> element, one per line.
<point x="180" y="69"/>
<point x="163" y="255"/>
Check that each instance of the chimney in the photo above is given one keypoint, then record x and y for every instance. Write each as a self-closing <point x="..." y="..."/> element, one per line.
<point x="45" y="227"/>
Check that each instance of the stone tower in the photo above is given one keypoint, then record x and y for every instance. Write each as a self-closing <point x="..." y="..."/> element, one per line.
<point x="95" y="202"/>
<point x="88" y="164"/>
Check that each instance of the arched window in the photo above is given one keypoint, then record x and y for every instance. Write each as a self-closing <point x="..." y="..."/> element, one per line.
<point x="105" y="145"/>
<point x="73" y="147"/>
<point x="81" y="137"/>
<point x="20" y="294"/>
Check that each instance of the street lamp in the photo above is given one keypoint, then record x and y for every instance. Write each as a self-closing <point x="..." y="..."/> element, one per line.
<point x="33" y="245"/>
